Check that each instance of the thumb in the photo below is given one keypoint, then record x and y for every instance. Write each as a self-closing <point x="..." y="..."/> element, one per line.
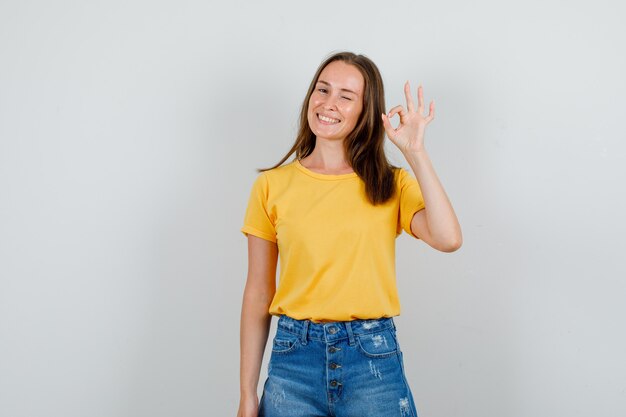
<point x="388" y="128"/>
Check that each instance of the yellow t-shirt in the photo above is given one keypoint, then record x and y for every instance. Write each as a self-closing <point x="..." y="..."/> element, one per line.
<point x="336" y="249"/>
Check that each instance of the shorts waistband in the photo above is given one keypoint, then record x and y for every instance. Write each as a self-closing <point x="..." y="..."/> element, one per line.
<point x="333" y="330"/>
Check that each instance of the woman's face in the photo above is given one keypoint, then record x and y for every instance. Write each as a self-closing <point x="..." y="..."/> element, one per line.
<point x="336" y="102"/>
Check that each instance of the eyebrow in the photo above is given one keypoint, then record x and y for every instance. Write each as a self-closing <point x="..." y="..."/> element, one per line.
<point x="343" y="89"/>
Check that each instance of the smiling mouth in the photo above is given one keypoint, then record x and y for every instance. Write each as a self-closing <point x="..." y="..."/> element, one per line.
<point x="328" y="120"/>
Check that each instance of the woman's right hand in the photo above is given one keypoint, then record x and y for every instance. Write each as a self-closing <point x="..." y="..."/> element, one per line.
<point x="248" y="407"/>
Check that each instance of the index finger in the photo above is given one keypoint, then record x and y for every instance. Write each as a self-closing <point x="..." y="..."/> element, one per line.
<point x="409" y="99"/>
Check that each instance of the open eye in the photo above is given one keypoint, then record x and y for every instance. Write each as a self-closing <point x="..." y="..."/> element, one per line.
<point x="322" y="90"/>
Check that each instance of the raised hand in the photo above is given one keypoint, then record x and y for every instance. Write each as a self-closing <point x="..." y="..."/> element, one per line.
<point x="409" y="135"/>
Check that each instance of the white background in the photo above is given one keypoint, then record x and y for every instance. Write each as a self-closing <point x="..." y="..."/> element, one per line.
<point x="129" y="135"/>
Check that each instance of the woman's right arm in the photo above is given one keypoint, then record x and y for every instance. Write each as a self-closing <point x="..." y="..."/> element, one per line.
<point x="255" y="319"/>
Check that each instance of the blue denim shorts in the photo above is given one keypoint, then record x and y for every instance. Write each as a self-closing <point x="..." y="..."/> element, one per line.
<point x="339" y="369"/>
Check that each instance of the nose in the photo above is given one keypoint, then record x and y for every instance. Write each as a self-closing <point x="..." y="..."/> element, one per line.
<point x="330" y="103"/>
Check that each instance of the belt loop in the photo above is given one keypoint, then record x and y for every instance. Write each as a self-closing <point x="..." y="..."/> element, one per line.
<point x="350" y="334"/>
<point x="305" y="331"/>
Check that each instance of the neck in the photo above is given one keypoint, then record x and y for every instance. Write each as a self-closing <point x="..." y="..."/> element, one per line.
<point x="328" y="155"/>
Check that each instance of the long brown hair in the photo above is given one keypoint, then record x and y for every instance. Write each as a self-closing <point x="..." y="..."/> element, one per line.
<point x="364" y="146"/>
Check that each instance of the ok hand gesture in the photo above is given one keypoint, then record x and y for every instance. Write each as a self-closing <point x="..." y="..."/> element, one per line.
<point x="409" y="135"/>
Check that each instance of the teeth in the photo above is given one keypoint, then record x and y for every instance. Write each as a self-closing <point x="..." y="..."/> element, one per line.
<point x="327" y="119"/>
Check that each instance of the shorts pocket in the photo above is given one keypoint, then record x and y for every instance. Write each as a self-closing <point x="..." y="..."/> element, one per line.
<point x="380" y="344"/>
<point x="285" y="342"/>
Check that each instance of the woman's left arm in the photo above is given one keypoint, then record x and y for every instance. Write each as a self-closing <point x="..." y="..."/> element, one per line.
<point x="436" y="224"/>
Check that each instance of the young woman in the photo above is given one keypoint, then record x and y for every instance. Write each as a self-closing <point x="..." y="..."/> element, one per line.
<point x="331" y="216"/>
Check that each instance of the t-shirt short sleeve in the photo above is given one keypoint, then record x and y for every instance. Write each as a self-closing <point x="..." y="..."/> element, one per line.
<point x="258" y="220"/>
<point x="411" y="201"/>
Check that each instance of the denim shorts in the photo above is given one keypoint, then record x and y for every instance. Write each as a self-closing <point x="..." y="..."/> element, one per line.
<point x="339" y="369"/>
